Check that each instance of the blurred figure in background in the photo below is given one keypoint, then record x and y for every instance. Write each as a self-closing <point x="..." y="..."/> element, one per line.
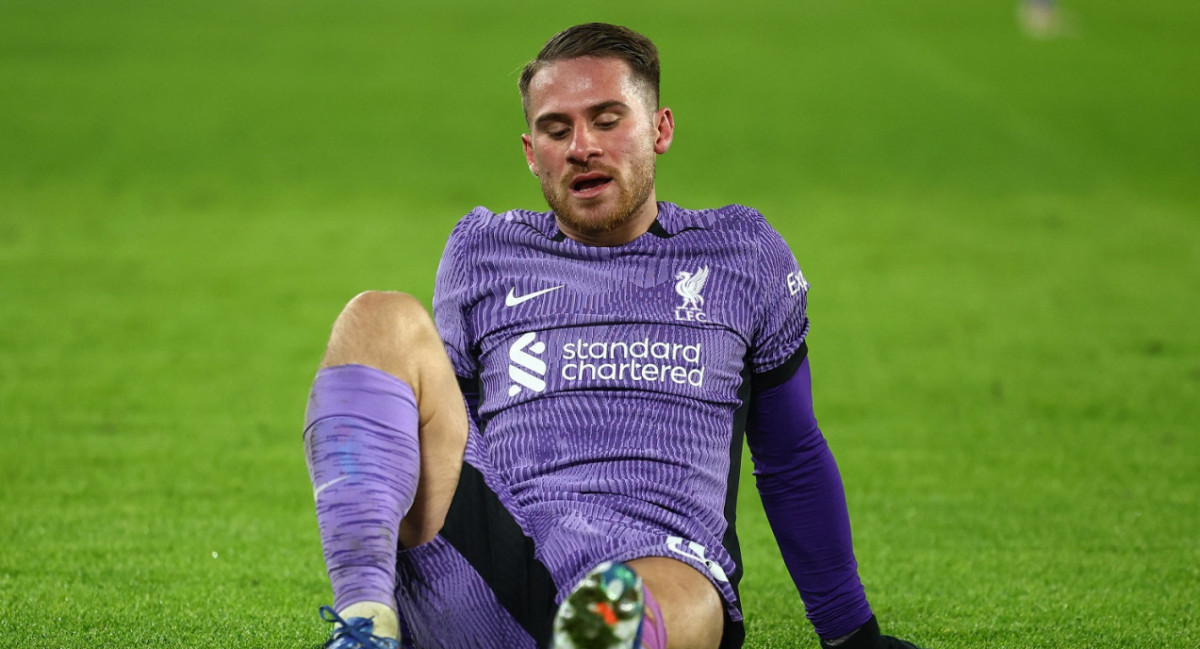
<point x="1040" y="18"/>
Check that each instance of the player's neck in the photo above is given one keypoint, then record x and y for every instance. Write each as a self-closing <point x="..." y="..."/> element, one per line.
<point x="621" y="235"/>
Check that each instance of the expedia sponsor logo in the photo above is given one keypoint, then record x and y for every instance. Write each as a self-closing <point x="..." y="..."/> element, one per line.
<point x="796" y="283"/>
<point x="630" y="362"/>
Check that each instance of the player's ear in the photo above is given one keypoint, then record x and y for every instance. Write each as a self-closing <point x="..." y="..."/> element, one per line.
<point x="664" y="124"/>
<point x="527" y="144"/>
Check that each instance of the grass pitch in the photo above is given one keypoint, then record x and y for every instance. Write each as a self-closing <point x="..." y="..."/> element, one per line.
<point x="1003" y="237"/>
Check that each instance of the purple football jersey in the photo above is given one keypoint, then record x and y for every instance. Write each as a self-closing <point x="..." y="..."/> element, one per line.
<point x="611" y="378"/>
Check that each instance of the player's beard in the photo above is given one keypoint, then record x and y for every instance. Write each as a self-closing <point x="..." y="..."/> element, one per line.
<point x="632" y="195"/>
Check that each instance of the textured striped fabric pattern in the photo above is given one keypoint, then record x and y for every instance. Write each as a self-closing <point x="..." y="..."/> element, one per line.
<point x="360" y="440"/>
<point x="444" y="603"/>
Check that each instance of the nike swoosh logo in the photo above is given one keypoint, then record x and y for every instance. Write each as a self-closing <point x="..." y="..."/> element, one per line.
<point x="318" y="490"/>
<point x="513" y="300"/>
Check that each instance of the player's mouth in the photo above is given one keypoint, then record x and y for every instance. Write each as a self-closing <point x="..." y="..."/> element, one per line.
<point x="589" y="185"/>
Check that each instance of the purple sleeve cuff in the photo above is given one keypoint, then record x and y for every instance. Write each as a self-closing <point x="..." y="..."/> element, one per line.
<point x="802" y="495"/>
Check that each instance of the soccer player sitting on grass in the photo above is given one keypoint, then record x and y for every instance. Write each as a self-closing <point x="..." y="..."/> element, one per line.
<point x="611" y="353"/>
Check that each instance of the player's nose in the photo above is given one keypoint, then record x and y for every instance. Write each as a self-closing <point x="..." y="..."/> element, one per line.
<point x="585" y="145"/>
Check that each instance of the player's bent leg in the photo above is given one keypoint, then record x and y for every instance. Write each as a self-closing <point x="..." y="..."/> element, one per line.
<point x="384" y="437"/>
<point x="393" y="332"/>
<point x="692" y="611"/>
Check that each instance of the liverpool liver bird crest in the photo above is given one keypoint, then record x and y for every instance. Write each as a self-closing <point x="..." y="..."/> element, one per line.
<point x="688" y="286"/>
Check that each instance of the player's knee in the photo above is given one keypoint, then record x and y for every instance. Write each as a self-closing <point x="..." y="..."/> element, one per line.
<point x="692" y="609"/>
<point x="385" y="309"/>
<point x="384" y="316"/>
<point x="700" y="623"/>
<point x="378" y="328"/>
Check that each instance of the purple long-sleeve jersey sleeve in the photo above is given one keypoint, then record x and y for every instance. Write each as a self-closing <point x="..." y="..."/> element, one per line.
<point x="805" y="503"/>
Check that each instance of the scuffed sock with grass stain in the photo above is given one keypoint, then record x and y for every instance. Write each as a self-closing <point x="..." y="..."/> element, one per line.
<point x="360" y="439"/>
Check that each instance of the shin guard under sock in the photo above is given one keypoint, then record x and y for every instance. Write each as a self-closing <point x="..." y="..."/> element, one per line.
<point x="360" y="439"/>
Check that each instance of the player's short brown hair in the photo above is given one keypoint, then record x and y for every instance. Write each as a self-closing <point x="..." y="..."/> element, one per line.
<point x="600" y="40"/>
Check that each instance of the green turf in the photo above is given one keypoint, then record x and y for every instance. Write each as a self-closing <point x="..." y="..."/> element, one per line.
<point x="1003" y="237"/>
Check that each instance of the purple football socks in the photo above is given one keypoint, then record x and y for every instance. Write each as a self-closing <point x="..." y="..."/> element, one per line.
<point x="360" y="438"/>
